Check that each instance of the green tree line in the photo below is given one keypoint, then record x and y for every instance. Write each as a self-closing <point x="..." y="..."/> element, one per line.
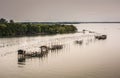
<point x="19" y="29"/>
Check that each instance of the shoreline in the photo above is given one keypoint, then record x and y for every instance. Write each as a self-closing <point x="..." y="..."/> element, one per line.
<point x="38" y="34"/>
<point x="13" y="29"/>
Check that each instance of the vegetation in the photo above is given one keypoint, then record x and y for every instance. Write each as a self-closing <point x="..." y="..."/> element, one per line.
<point x="19" y="29"/>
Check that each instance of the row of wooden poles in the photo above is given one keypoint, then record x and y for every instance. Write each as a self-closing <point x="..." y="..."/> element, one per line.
<point x="97" y="36"/>
<point x="44" y="48"/>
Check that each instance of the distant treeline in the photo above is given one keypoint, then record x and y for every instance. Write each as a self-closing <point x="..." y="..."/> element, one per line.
<point x="52" y="22"/>
<point x="20" y="29"/>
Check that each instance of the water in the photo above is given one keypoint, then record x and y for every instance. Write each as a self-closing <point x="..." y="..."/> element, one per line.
<point x="92" y="59"/>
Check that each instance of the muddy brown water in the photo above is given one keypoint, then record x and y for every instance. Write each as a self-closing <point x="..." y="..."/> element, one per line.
<point x="91" y="59"/>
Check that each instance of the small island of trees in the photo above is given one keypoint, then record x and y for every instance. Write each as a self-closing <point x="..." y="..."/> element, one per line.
<point x="11" y="28"/>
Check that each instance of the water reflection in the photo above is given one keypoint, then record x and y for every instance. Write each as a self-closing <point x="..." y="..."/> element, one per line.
<point x="90" y="58"/>
<point x="78" y="40"/>
<point x="87" y="40"/>
<point x="22" y="59"/>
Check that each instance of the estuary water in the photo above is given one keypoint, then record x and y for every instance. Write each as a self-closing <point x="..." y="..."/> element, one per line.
<point x="90" y="59"/>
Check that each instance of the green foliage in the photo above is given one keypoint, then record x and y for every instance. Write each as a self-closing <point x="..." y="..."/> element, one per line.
<point x="11" y="21"/>
<point x="2" y="20"/>
<point x="20" y="29"/>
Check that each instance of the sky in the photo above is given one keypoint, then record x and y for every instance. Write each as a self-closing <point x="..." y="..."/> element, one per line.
<point x="60" y="10"/>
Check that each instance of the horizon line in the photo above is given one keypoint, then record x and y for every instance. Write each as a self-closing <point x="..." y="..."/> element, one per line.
<point x="74" y="22"/>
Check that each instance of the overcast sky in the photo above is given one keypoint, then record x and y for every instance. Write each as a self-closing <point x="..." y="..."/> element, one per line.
<point x="60" y="10"/>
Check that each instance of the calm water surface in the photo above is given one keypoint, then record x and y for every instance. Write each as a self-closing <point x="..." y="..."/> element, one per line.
<point x="92" y="59"/>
